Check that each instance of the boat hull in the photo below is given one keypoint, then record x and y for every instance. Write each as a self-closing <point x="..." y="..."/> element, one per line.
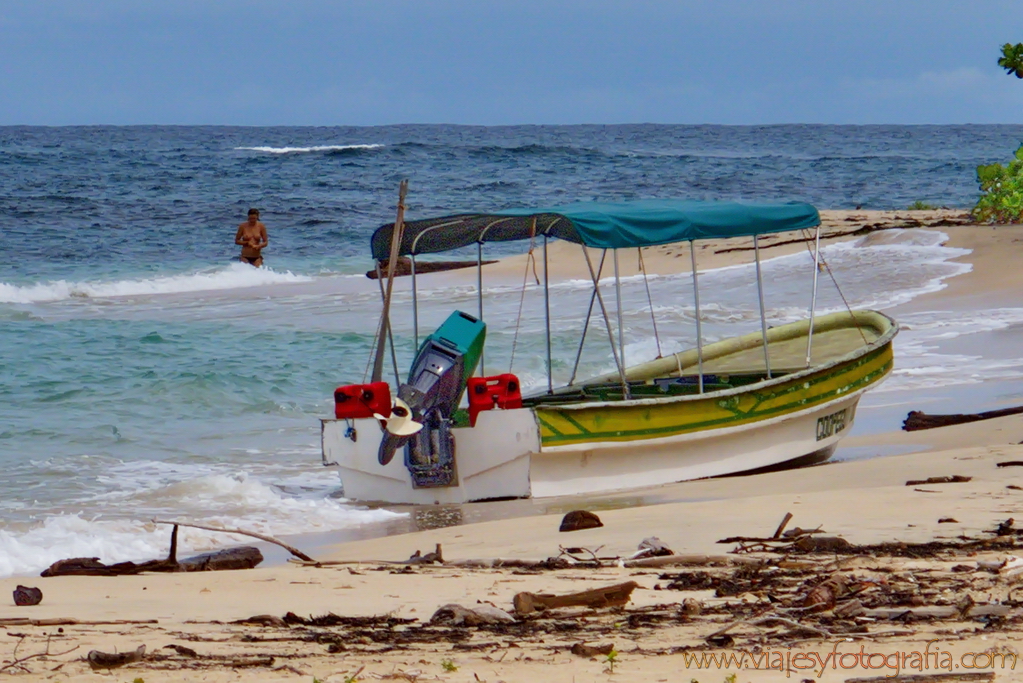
<point x="602" y="446"/>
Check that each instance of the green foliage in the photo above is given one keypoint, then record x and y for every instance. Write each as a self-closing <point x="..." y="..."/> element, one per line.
<point x="920" y="206"/>
<point x="1002" y="188"/>
<point x="139" y="680"/>
<point x="730" y="678"/>
<point x="1012" y="59"/>
<point x="448" y="665"/>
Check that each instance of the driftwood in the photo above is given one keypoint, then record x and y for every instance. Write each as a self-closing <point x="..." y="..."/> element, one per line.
<point x="108" y="660"/>
<point x="245" y="557"/>
<point x="609" y="596"/>
<point x="918" y="420"/>
<point x="68" y="621"/>
<point x="954" y="479"/>
<point x="263" y="537"/>
<point x="404" y="267"/>
<point x="928" y="678"/>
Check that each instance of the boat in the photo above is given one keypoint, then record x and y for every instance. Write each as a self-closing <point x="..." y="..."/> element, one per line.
<point x="783" y="394"/>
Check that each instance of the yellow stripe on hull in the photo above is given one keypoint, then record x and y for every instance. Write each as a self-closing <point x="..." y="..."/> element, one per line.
<point x="653" y="418"/>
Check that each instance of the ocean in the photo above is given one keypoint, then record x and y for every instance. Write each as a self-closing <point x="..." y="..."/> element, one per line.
<point x="145" y="373"/>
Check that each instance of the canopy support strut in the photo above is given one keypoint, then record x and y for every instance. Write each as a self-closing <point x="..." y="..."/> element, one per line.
<point x="479" y="294"/>
<point x="699" y="330"/>
<point x="760" y="294"/>
<point x="586" y="325"/>
<point x="813" y="300"/>
<point x="607" y="323"/>
<point x="618" y="303"/>
<point x="415" y="304"/>
<point x="547" y="316"/>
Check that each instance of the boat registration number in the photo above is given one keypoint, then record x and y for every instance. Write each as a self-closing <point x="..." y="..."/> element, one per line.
<point x="832" y="424"/>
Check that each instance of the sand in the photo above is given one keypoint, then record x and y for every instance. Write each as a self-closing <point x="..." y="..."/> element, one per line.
<point x="864" y="502"/>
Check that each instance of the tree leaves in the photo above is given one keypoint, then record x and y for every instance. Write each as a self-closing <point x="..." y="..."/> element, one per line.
<point x="1002" y="188"/>
<point x="1012" y="59"/>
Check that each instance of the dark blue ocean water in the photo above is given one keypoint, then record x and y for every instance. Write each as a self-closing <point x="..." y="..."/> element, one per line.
<point x="144" y="372"/>
<point x="86" y="200"/>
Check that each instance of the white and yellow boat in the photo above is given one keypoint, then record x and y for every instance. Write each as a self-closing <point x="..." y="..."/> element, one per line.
<point x="786" y="393"/>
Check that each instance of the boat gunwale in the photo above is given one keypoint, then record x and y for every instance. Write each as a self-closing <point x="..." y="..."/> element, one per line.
<point x="878" y="343"/>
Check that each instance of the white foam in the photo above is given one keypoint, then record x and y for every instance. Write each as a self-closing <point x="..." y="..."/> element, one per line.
<point x="233" y="276"/>
<point x="305" y="150"/>
<point x="231" y="501"/>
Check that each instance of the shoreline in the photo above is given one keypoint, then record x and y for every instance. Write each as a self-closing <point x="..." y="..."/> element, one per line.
<point x="865" y="501"/>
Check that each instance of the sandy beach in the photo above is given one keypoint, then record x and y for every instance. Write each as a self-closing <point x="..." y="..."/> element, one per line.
<point x="919" y="581"/>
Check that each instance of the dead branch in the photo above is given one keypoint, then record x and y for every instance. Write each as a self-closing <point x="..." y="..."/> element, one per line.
<point x="263" y="537"/>
<point x="19" y="662"/>
<point x="781" y="527"/>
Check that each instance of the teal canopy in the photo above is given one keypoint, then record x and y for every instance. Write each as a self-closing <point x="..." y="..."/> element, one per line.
<point x="602" y="225"/>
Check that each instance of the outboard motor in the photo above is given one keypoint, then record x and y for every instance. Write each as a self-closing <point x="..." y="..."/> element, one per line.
<point x="435" y="385"/>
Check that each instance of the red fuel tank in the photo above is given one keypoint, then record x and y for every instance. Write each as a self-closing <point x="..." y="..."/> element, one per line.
<point x="362" y="400"/>
<point x="487" y="393"/>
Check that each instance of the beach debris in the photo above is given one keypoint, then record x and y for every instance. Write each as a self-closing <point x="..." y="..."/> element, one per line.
<point x="1012" y="567"/>
<point x="825" y="595"/>
<point x="182" y="650"/>
<point x="437" y="556"/>
<point x="457" y="615"/>
<point x="917" y="420"/>
<point x="26" y="596"/>
<point x="108" y="660"/>
<point x="781" y="526"/>
<point x="610" y="596"/>
<point x="577" y="520"/>
<point x="245" y="557"/>
<point x="953" y="479"/>
<point x="264" y="620"/>
<point x="241" y="532"/>
<point x="965" y="677"/>
<point x="18" y="663"/>
<point x="691" y="607"/>
<point x="1005" y="528"/>
<point x="947" y="520"/>
<point x="242" y="557"/>
<point x="584" y="650"/>
<point x="1010" y="463"/>
<point x="651" y="547"/>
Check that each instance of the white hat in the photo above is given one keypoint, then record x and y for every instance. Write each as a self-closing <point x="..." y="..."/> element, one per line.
<point x="400" y="423"/>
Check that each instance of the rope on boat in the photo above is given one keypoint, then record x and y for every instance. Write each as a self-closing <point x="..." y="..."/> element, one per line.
<point x="642" y="267"/>
<point x="530" y="257"/>
<point x="827" y="269"/>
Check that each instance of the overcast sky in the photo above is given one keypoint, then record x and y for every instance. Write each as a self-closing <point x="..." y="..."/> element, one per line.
<point x="340" y="62"/>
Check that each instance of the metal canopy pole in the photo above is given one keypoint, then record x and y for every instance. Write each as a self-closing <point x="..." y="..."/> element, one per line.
<point x="618" y="301"/>
<point x="699" y="330"/>
<point x="586" y="325"/>
<point x="547" y="316"/>
<point x="760" y="293"/>
<point x="384" y="330"/>
<point x="415" y="305"/>
<point x="479" y="292"/>
<point x="607" y="324"/>
<point x="813" y="301"/>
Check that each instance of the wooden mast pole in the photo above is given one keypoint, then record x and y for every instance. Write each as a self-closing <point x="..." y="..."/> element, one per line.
<point x="392" y="266"/>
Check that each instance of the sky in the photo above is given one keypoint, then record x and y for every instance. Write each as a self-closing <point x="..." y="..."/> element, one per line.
<point x="499" y="62"/>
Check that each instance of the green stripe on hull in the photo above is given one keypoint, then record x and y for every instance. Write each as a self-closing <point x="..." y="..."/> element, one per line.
<point x="632" y="421"/>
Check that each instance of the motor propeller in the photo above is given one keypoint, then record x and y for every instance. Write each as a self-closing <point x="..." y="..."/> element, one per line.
<point x="399" y="427"/>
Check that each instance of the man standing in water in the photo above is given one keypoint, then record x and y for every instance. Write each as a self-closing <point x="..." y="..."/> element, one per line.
<point x="252" y="237"/>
